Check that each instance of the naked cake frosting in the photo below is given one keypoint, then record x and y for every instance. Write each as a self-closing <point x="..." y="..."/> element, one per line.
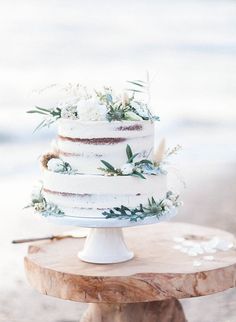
<point x="103" y="162"/>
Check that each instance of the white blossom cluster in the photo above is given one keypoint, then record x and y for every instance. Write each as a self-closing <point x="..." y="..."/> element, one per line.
<point x="40" y="205"/>
<point x="84" y="109"/>
<point x="171" y="201"/>
<point x="96" y="107"/>
<point x="150" y="169"/>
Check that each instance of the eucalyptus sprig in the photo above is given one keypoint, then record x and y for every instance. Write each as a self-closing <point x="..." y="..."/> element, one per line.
<point x="53" y="114"/>
<point x="154" y="208"/>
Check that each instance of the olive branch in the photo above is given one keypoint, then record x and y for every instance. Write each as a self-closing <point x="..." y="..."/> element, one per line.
<point x="153" y="209"/>
<point x="112" y="171"/>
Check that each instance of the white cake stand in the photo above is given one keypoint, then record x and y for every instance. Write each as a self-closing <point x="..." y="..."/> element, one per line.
<point x="105" y="242"/>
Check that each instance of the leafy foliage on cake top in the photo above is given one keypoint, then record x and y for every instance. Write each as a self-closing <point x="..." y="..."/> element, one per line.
<point x="154" y="208"/>
<point x="41" y="205"/>
<point x="100" y="105"/>
<point x="141" y="167"/>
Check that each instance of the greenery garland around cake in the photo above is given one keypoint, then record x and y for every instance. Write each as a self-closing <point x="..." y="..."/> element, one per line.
<point x="100" y="105"/>
<point x="154" y="208"/>
<point x="132" y="167"/>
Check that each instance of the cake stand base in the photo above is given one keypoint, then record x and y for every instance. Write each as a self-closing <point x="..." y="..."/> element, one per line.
<point x="105" y="246"/>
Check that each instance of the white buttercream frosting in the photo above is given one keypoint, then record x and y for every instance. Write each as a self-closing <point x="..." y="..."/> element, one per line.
<point x="95" y="193"/>
<point x="83" y="144"/>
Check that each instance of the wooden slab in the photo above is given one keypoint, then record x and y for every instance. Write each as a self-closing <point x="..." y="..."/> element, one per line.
<point x="157" y="272"/>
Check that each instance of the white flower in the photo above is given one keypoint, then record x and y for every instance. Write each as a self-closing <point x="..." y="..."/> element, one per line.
<point x="91" y="110"/>
<point x="167" y="204"/>
<point x="56" y="165"/>
<point x="39" y="206"/>
<point x="131" y="116"/>
<point x="127" y="168"/>
<point x="68" y="114"/>
<point x="68" y="108"/>
<point x="179" y="203"/>
<point x="172" y="197"/>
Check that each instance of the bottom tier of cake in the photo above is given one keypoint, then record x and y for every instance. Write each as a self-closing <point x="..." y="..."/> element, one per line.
<point x="91" y="195"/>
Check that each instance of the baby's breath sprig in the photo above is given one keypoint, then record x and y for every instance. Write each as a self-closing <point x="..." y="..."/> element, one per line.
<point x="172" y="151"/>
<point x="40" y="205"/>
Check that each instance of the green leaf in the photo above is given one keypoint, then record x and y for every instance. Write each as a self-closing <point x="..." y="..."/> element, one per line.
<point x="134" y="90"/>
<point x="130" y="160"/>
<point x="129" y="152"/>
<point x="108" y="165"/>
<point x="140" y="81"/>
<point x="153" y="201"/>
<point x="138" y="174"/>
<point x="135" y="83"/>
<point x="145" y="161"/>
<point x="35" y="111"/>
<point x="41" y="125"/>
<point x="43" y="109"/>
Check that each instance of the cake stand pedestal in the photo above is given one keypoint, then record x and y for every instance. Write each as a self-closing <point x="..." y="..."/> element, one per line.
<point x="105" y="245"/>
<point x="105" y="242"/>
<point x="146" y="289"/>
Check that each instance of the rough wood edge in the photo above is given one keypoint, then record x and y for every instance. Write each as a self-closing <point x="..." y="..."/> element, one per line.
<point x="129" y="289"/>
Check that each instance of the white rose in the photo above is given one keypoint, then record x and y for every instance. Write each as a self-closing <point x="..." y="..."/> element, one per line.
<point x="91" y="110"/>
<point x="56" y="165"/>
<point x="127" y="168"/>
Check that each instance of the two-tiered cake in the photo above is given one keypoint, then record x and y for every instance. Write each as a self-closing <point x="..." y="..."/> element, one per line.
<point x="90" y="191"/>
<point x="103" y="165"/>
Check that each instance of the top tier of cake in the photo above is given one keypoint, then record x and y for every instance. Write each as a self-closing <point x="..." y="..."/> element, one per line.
<point x="84" y="144"/>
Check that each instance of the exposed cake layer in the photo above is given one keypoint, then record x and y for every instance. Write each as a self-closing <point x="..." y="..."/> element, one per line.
<point x="84" y="144"/>
<point x="90" y="195"/>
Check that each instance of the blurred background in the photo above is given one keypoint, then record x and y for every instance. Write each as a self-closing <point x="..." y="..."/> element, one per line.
<point x="188" y="47"/>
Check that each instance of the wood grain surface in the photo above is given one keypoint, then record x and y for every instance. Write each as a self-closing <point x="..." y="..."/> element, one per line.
<point x="157" y="272"/>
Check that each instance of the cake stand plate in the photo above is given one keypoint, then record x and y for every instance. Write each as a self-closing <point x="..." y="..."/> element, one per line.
<point x="105" y="242"/>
